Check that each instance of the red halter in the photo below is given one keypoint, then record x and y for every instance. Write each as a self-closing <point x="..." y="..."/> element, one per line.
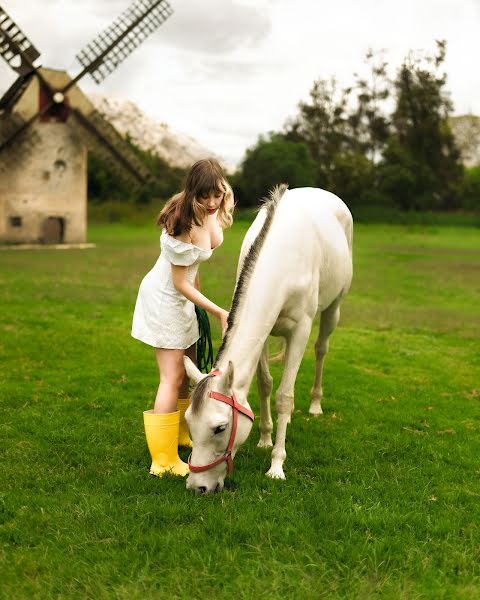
<point x="236" y="408"/>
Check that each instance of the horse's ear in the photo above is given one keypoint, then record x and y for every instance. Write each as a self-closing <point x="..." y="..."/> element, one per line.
<point x="193" y="373"/>
<point x="228" y="378"/>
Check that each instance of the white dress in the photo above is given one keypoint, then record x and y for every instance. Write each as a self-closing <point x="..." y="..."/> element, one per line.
<point x="163" y="317"/>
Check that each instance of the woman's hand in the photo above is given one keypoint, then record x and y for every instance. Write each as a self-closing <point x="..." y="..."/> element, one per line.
<point x="223" y="316"/>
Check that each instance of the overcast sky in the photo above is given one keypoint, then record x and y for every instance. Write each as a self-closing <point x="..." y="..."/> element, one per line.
<point x="225" y="71"/>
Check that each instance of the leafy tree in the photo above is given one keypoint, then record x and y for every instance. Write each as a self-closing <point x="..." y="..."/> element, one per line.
<point x="323" y="125"/>
<point x="353" y="179"/>
<point x="345" y="130"/>
<point x="369" y="123"/>
<point x="271" y="161"/>
<point x="422" y="147"/>
<point x="104" y="185"/>
<point x="397" y="176"/>
<point x="406" y="157"/>
<point x="165" y="180"/>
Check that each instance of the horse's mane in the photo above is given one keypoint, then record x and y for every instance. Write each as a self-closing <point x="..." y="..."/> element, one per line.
<point x="269" y="204"/>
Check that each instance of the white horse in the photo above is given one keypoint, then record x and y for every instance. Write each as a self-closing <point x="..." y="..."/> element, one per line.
<point x="296" y="260"/>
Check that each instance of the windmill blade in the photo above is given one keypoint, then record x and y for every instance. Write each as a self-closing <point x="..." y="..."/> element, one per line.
<point x="129" y="30"/>
<point x="13" y="133"/>
<point x="99" y="59"/>
<point x="15" y="47"/>
<point x="19" y="52"/>
<point x="104" y="141"/>
<point x="14" y="92"/>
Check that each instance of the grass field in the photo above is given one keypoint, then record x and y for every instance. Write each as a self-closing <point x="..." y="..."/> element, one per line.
<point x="382" y="497"/>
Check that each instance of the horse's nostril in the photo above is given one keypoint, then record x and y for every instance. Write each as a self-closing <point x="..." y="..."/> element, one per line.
<point x="201" y="489"/>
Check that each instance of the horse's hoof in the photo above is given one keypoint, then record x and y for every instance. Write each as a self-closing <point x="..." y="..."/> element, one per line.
<point x="275" y="473"/>
<point x="265" y="443"/>
<point x="315" y="410"/>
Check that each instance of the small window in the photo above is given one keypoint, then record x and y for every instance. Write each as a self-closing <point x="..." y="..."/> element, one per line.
<point x="60" y="164"/>
<point x="16" y="221"/>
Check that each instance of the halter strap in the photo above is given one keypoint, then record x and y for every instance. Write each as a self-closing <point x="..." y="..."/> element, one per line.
<point x="236" y="408"/>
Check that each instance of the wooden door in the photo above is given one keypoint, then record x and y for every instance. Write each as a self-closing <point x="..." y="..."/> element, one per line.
<point x="53" y="230"/>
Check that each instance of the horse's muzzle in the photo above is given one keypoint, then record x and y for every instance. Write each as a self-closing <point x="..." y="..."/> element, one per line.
<point x="204" y="489"/>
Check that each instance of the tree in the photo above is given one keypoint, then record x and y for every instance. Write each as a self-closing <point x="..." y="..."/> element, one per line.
<point x="323" y="125"/>
<point x="273" y="160"/>
<point x="104" y="185"/>
<point x="422" y="150"/>
<point x="353" y="179"/>
<point x="345" y="130"/>
<point x="369" y="123"/>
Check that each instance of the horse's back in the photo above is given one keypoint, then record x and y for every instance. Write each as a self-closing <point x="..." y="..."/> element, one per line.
<point x="314" y="209"/>
<point x="315" y="230"/>
<point x="307" y="252"/>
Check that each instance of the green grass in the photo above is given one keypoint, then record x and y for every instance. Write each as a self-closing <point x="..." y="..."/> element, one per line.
<point x="382" y="497"/>
<point x="386" y="214"/>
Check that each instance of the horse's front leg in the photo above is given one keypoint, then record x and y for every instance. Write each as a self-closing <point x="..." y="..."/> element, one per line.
<point x="284" y="398"/>
<point x="264" y="386"/>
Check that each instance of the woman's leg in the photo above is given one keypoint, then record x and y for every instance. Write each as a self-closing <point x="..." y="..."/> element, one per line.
<point x="162" y="424"/>
<point x="172" y="376"/>
<point x="192" y="355"/>
<point x="183" y="402"/>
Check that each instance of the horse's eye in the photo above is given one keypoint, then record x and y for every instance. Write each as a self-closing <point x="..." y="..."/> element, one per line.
<point x="219" y="429"/>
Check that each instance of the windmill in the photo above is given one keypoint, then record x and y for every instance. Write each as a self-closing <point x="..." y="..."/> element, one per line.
<point x="47" y="125"/>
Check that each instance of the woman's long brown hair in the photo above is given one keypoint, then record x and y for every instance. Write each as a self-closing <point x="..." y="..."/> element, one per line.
<point x="184" y="209"/>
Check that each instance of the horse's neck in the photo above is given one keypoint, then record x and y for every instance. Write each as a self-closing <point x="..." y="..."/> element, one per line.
<point x="254" y="321"/>
<point x="244" y="351"/>
<point x="256" y="313"/>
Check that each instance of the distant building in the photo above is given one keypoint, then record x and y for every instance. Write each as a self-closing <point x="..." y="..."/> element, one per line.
<point x="47" y="124"/>
<point x="43" y="195"/>
<point x="466" y="129"/>
<point x="43" y="174"/>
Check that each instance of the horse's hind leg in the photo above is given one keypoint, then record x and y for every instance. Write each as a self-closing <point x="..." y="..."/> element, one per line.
<point x="328" y="321"/>
<point x="264" y="386"/>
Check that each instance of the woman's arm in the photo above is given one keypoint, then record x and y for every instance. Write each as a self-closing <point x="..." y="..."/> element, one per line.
<point x="182" y="285"/>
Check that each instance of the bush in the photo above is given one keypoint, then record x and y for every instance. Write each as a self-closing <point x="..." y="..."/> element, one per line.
<point x="391" y="215"/>
<point x="105" y="186"/>
<point x="353" y="179"/>
<point x="273" y="160"/>
<point x="118" y="211"/>
<point x="471" y="189"/>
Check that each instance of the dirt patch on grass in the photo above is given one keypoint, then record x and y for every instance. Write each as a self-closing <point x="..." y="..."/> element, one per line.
<point x="384" y="317"/>
<point x="459" y="278"/>
<point x="392" y="248"/>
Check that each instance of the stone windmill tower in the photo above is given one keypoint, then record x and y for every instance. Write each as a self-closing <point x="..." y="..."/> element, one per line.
<point x="47" y="126"/>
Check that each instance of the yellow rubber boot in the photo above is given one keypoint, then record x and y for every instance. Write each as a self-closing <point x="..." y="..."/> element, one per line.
<point x="183" y="436"/>
<point x="161" y="431"/>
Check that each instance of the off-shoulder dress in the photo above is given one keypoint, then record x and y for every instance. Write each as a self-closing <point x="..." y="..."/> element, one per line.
<point x="163" y="317"/>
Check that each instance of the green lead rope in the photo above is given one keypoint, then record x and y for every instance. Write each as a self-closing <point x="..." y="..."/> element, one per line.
<point x="204" y="344"/>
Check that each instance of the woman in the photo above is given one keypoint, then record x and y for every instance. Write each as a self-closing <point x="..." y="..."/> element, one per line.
<point x="165" y="318"/>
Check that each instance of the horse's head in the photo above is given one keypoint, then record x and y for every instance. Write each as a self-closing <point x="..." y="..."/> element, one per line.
<point x="218" y="423"/>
